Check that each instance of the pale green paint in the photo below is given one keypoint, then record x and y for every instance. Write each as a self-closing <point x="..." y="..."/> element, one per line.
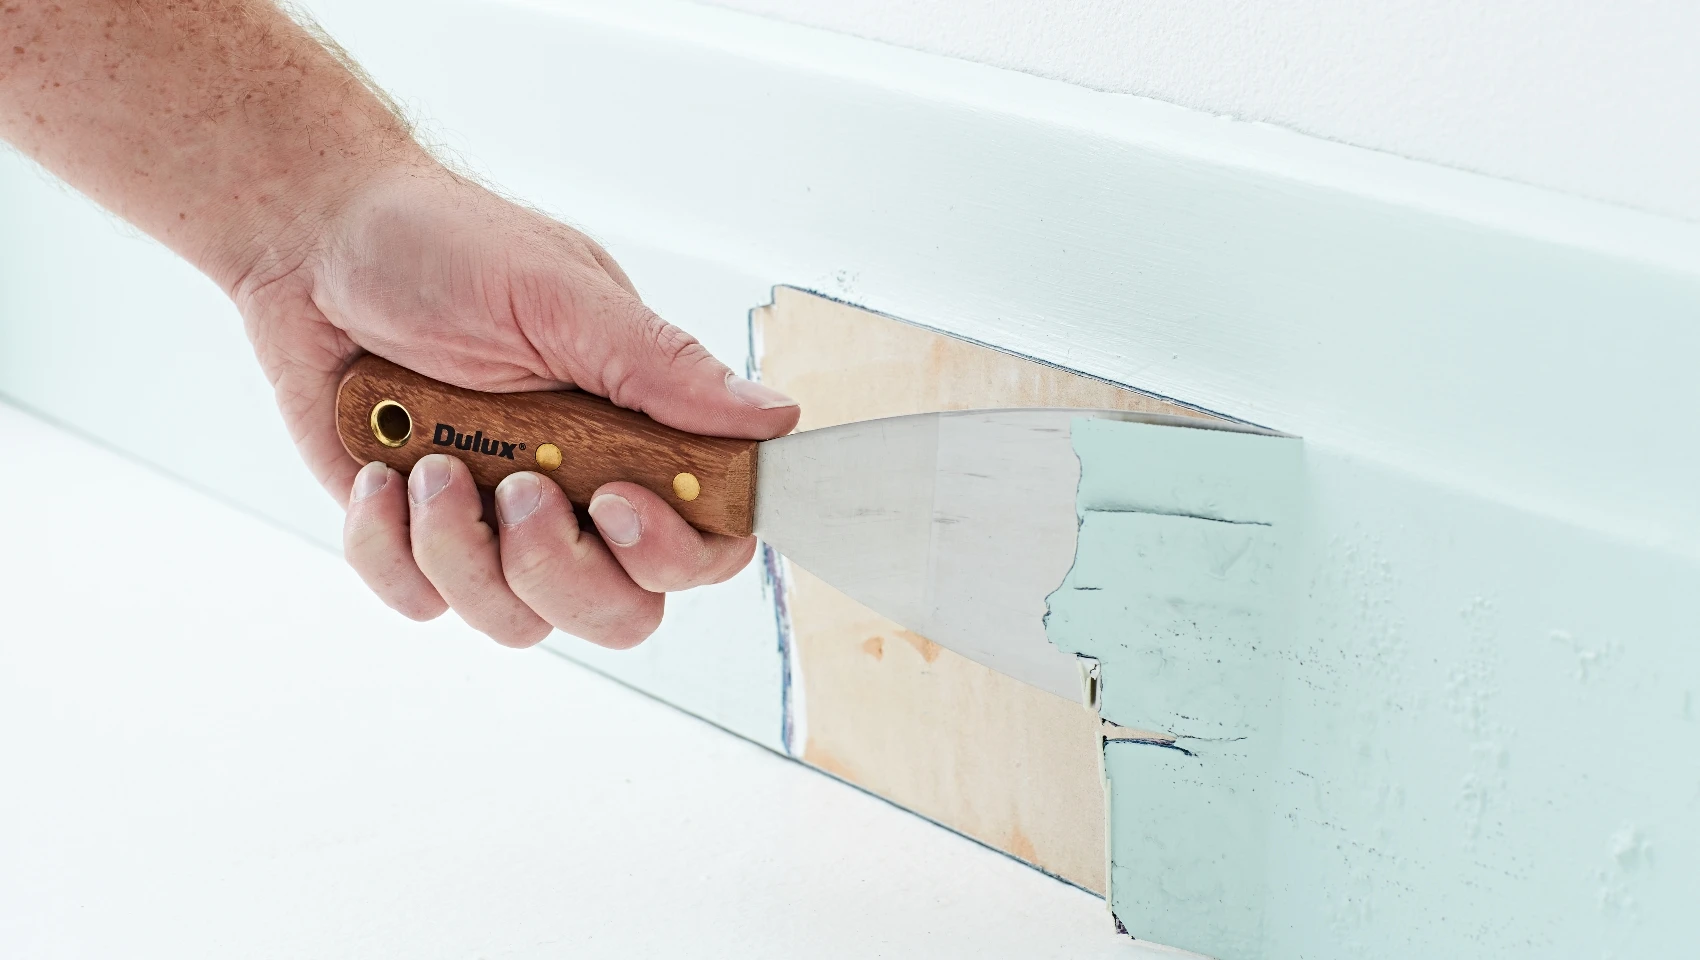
<point x="1421" y="723"/>
<point x="1215" y="474"/>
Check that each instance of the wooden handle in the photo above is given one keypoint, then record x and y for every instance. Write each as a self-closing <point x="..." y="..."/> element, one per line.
<point x="389" y="413"/>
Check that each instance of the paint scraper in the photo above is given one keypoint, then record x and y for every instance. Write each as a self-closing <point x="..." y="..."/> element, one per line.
<point x="955" y="525"/>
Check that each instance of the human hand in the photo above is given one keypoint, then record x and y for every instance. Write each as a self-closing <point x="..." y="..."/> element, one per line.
<point x="239" y="139"/>
<point x="440" y="275"/>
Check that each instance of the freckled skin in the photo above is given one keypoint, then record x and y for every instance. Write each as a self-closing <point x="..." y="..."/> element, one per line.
<point x="254" y="148"/>
<point x="243" y="96"/>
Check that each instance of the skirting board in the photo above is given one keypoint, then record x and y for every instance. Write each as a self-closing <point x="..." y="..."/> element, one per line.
<point x="1496" y="371"/>
<point x="1405" y="721"/>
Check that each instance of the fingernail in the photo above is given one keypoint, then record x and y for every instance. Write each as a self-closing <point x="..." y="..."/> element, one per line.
<point x="758" y="395"/>
<point x="517" y="497"/>
<point x="430" y="475"/>
<point x="372" y="477"/>
<point x="616" y="519"/>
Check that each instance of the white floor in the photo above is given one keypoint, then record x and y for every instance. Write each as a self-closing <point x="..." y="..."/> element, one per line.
<point x="213" y="743"/>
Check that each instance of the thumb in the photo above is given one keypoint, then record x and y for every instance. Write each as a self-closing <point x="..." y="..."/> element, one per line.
<point x="626" y="353"/>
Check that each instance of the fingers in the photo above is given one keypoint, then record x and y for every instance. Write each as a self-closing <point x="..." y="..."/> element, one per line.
<point x="656" y="547"/>
<point x="610" y="343"/>
<point x="458" y="553"/>
<point x="565" y="575"/>
<point x="422" y="546"/>
<point x="375" y="541"/>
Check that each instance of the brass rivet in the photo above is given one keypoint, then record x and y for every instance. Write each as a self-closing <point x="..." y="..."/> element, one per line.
<point x="687" y="487"/>
<point x="548" y="456"/>
<point x="391" y="423"/>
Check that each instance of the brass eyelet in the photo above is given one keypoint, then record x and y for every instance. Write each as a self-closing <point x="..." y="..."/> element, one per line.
<point x="391" y="423"/>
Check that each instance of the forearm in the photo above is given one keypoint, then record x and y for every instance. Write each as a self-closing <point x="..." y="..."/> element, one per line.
<point x="220" y="127"/>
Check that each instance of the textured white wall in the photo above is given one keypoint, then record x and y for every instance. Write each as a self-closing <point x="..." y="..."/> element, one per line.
<point x="1594" y="99"/>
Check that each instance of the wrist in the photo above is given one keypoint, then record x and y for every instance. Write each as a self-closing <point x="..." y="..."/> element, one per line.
<point x="276" y="226"/>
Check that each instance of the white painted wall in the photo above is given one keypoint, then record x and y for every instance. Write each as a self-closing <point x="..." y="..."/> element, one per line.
<point x="1594" y="99"/>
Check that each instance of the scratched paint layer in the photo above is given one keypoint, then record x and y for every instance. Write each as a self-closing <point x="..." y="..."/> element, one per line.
<point x="1407" y="721"/>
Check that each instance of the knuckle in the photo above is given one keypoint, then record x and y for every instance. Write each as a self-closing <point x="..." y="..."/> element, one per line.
<point x="666" y="579"/>
<point x="439" y="550"/>
<point x="730" y="561"/>
<point x="625" y="627"/>
<point x="519" y="634"/>
<point x="586" y="249"/>
<point x="544" y="557"/>
<point x="526" y="566"/>
<point x="660" y="346"/>
<point x="674" y="345"/>
<point x="392" y="576"/>
<point x="362" y="541"/>
<point x="387" y="577"/>
<point x="419" y="609"/>
<point x="432" y="555"/>
<point x="701" y="566"/>
<point x="675" y="562"/>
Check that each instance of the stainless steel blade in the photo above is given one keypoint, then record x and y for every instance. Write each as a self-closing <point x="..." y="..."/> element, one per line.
<point x="955" y="525"/>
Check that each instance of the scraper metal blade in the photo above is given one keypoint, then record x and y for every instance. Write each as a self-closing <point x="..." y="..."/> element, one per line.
<point x="955" y="525"/>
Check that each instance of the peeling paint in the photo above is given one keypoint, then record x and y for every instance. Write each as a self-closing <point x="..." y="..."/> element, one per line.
<point x="1176" y="590"/>
<point x="1386" y="717"/>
